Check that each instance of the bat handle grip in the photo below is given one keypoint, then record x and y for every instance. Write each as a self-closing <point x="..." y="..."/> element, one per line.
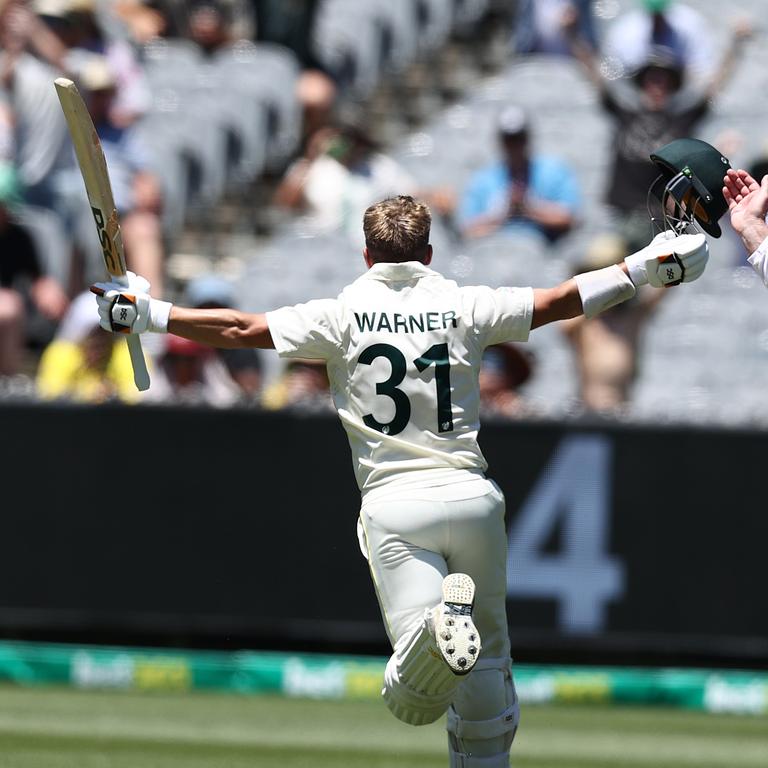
<point x="140" y="372"/>
<point x="139" y="364"/>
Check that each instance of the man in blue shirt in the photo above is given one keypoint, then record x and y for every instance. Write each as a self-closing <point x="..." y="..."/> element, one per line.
<point x="523" y="191"/>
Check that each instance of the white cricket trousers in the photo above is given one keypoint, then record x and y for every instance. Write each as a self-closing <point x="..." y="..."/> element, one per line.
<point x="412" y="539"/>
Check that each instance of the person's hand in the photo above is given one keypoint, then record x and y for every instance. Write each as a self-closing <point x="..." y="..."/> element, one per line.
<point x="147" y="193"/>
<point x="18" y="22"/>
<point x="49" y="297"/>
<point x="748" y="205"/>
<point x="130" y="309"/>
<point x="517" y="201"/>
<point x="742" y="28"/>
<point x="669" y="260"/>
<point x="569" y="20"/>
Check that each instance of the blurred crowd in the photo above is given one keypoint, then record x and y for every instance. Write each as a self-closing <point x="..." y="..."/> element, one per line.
<point x="655" y="70"/>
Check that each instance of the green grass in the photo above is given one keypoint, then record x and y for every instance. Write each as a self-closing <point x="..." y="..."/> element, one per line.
<point x="62" y="728"/>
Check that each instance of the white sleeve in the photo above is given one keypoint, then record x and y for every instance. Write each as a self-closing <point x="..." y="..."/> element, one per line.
<point x="502" y="314"/>
<point x="310" y="330"/>
<point x="759" y="261"/>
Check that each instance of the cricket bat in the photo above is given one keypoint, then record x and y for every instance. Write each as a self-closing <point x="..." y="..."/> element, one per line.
<point x="93" y="166"/>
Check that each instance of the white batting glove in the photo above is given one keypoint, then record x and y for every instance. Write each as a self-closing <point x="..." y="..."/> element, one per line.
<point x="669" y="259"/>
<point x="130" y="309"/>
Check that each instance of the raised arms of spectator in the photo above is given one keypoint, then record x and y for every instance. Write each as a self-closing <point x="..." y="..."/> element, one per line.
<point x="740" y="33"/>
<point x="23" y="29"/>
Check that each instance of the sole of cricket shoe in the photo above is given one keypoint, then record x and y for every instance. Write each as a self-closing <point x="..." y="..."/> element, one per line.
<point x="457" y="637"/>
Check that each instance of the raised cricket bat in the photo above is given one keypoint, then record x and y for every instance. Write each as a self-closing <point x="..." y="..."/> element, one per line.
<point x="93" y="167"/>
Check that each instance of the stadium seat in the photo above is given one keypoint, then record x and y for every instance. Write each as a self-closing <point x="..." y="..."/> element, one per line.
<point x="50" y="238"/>
<point x="267" y="73"/>
<point x="347" y="43"/>
<point x="434" y="24"/>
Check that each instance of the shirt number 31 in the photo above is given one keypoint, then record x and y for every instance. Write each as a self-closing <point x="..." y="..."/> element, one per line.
<point x="436" y="355"/>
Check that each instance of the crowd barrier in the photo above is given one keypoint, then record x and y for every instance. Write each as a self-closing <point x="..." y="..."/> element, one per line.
<point x="236" y="528"/>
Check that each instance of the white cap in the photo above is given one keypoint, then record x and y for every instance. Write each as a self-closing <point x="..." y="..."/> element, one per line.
<point x="512" y="120"/>
<point x="96" y="74"/>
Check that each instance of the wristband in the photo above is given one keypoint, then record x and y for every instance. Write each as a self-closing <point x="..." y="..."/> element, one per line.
<point x="638" y="274"/>
<point x="603" y="289"/>
<point x="759" y="261"/>
<point x="159" y="312"/>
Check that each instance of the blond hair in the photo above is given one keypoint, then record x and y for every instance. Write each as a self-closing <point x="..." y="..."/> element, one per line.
<point x="397" y="229"/>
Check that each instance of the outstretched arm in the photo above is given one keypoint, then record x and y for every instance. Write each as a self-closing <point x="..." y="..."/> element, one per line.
<point x="740" y="33"/>
<point x="224" y="328"/>
<point x="668" y="260"/>
<point x="132" y="310"/>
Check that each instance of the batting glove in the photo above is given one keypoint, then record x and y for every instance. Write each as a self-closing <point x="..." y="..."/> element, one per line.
<point x="130" y="309"/>
<point x="669" y="259"/>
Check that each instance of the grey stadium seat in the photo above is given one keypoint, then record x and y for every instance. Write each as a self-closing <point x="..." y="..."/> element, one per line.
<point x="267" y="73"/>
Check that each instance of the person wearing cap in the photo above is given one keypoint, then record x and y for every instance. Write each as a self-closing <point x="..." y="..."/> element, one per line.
<point x="523" y="191"/>
<point x="77" y="27"/>
<point x="677" y="26"/>
<point x="20" y="264"/>
<point x="607" y="348"/>
<point x="652" y="108"/>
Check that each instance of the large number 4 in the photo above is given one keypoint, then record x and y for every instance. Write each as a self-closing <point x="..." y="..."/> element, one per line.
<point x="437" y="354"/>
<point x="574" y="488"/>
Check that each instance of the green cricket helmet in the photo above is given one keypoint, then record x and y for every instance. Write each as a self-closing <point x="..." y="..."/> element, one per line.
<point x="692" y="172"/>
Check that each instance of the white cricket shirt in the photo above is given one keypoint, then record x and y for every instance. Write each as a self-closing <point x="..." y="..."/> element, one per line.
<point x="403" y="347"/>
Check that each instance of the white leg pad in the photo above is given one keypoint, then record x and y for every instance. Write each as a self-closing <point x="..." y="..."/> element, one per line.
<point x="475" y="740"/>
<point x="418" y="684"/>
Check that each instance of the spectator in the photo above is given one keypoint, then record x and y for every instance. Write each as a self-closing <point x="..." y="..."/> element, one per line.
<point x="211" y="24"/>
<point x="141" y="20"/>
<point x="317" y="93"/>
<point x="40" y="143"/>
<point x="342" y="172"/>
<point x="545" y="26"/>
<point x="22" y="280"/>
<point x="83" y="363"/>
<point x="524" y="191"/>
<point x="303" y="384"/>
<point x="77" y="33"/>
<point x="666" y="23"/>
<point x="136" y="189"/>
<point x="504" y="370"/>
<point x="607" y="348"/>
<point x="189" y="373"/>
<point x="243" y="365"/>
<point x="650" y="111"/>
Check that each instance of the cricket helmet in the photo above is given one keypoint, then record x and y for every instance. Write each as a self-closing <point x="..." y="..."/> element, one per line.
<point x="692" y="173"/>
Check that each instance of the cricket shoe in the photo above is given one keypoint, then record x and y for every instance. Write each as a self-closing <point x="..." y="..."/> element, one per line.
<point x="457" y="637"/>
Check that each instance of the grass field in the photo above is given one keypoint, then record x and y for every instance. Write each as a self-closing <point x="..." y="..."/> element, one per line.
<point x="61" y="728"/>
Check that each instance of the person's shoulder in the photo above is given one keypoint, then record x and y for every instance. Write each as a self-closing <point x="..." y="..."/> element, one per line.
<point x="488" y="172"/>
<point x="551" y="164"/>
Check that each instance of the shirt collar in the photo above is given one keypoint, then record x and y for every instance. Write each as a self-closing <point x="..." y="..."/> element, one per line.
<point x="399" y="272"/>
